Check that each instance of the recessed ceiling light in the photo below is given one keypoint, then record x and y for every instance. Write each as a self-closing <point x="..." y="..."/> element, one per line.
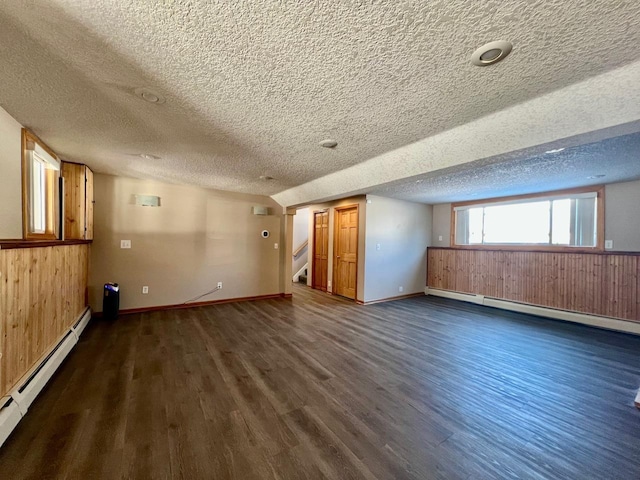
<point x="328" y="143"/>
<point x="600" y="175"/>
<point x="491" y="53"/>
<point x="149" y="95"/>
<point x="555" y="150"/>
<point x="148" y="156"/>
<point x="266" y="177"/>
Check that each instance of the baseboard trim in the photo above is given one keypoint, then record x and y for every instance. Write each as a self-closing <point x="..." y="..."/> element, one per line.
<point x="33" y="382"/>
<point x="179" y="306"/>
<point x="389" y="299"/>
<point x="607" y="323"/>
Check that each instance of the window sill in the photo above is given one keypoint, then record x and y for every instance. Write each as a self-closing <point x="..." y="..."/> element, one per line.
<point x="13" y="244"/>
<point x="536" y="249"/>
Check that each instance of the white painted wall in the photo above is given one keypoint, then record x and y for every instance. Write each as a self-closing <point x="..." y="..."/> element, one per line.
<point x="441" y="225"/>
<point x="300" y="235"/>
<point x="180" y="250"/>
<point x="397" y="236"/>
<point x="622" y="215"/>
<point x="10" y="177"/>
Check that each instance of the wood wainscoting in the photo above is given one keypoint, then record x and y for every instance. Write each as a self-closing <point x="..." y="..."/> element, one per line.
<point x="43" y="291"/>
<point x="605" y="284"/>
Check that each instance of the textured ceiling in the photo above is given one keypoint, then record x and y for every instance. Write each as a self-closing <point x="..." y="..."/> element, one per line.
<point x="608" y="161"/>
<point x="252" y="86"/>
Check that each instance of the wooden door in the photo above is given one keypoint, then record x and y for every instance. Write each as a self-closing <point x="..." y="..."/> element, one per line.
<point x="346" y="251"/>
<point x="320" y="250"/>
<point x="88" y="221"/>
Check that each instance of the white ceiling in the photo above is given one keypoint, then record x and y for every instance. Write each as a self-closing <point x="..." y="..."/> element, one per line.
<point x="252" y="86"/>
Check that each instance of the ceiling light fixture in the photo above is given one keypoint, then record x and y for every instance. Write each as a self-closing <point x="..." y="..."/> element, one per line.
<point x="328" y="143"/>
<point x="492" y="52"/>
<point x="600" y="175"/>
<point x="149" y="95"/>
<point x="555" y="150"/>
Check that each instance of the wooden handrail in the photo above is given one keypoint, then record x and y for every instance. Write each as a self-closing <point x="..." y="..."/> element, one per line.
<point x="300" y="248"/>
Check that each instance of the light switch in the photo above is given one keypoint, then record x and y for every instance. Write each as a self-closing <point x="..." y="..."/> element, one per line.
<point x="377" y="246"/>
<point x="439" y="238"/>
<point x="608" y="244"/>
<point x="125" y="243"/>
<point x="275" y="246"/>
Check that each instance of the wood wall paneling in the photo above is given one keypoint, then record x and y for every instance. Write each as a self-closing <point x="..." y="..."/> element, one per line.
<point x="594" y="283"/>
<point x="74" y="200"/>
<point x="78" y="201"/>
<point x="42" y="293"/>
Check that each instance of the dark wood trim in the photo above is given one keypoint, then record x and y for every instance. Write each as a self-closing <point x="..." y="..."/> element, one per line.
<point x="13" y="244"/>
<point x="539" y="250"/>
<point x="599" y="248"/>
<point x="206" y="303"/>
<point x="391" y="299"/>
<point x="335" y="243"/>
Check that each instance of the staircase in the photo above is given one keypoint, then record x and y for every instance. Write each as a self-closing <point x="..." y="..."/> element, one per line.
<point x="303" y="276"/>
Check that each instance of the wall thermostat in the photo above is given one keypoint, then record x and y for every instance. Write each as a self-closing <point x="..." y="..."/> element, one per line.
<point x="265" y="234"/>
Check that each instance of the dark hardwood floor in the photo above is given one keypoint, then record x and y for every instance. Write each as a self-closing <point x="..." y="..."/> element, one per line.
<point x="318" y="387"/>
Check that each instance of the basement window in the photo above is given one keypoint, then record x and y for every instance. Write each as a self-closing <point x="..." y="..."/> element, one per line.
<point x="41" y="172"/>
<point x="561" y="220"/>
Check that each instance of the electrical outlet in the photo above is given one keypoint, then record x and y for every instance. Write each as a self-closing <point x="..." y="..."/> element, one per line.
<point x="401" y="288"/>
<point x="608" y="244"/>
<point x="377" y="246"/>
<point x="219" y="285"/>
<point x="145" y="290"/>
<point x="125" y="243"/>
<point x="275" y="246"/>
<point x="328" y="283"/>
<point x="439" y="238"/>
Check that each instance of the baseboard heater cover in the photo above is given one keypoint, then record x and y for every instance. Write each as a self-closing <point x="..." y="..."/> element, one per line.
<point x="81" y="324"/>
<point x="583" y="318"/>
<point x="10" y="416"/>
<point x="24" y="394"/>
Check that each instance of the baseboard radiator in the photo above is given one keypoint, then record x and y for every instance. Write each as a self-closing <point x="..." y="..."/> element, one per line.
<point x="20" y="399"/>
<point x="566" y="315"/>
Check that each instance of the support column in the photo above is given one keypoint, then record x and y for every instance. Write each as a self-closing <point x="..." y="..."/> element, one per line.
<point x="287" y="274"/>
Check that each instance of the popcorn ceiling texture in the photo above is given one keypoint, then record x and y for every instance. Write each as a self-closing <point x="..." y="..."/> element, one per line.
<point x="252" y="86"/>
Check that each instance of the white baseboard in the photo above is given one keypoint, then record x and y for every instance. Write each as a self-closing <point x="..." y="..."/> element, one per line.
<point x="583" y="318"/>
<point x="296" y="277"/>
<point x="25" y="394"/>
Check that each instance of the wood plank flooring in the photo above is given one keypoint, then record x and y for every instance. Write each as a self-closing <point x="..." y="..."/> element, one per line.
<point x="318" y="387"/>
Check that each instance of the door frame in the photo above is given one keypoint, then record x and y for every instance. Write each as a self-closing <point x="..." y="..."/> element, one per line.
<point x="334" y="269"/>
<point x="313" y="250"/>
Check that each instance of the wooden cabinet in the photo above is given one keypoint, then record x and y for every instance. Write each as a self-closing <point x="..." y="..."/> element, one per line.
<point x="78" y="201"/>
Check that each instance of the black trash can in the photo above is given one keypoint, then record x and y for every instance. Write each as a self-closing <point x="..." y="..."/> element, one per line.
<point x="111" y="301"/>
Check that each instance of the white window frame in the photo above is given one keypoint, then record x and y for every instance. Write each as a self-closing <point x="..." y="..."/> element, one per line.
<point x="585" y="192"/>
